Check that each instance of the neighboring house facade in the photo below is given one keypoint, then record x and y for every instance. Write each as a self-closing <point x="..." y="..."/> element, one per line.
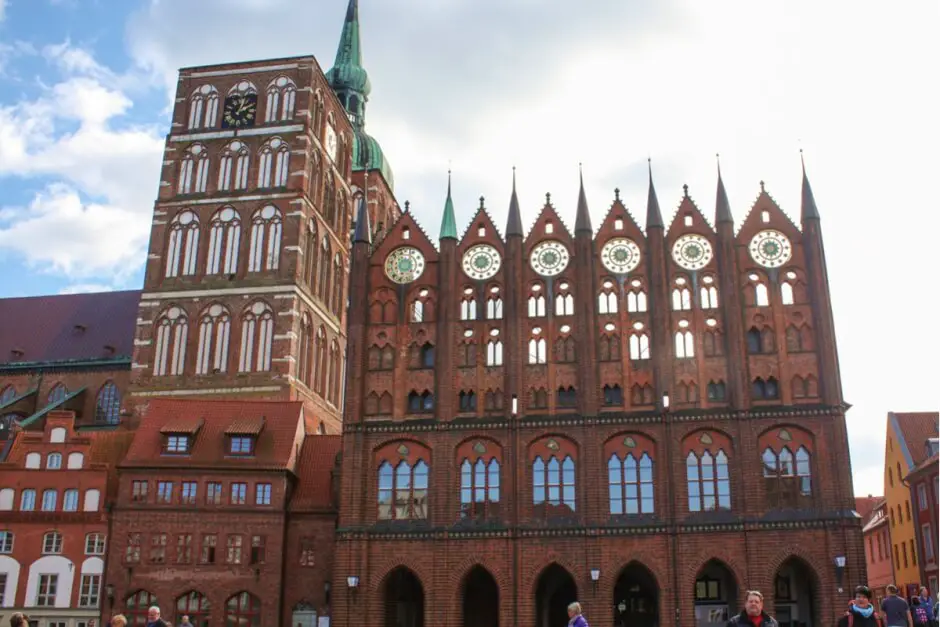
<point x="54" y="488"/>
<point x="67" y="352"/>
<point x="200" y="524"/>
<point x="906" y="447"/>
<point x="879" y="558"/>
<point x="924" y="482"/>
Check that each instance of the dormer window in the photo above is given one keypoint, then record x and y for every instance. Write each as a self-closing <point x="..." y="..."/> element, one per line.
<point x="177" y="444"/>
<point x="241" y="445"/>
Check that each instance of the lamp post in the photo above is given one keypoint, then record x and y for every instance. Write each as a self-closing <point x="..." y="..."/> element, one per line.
<point x="109" y="592"/>
<point x="595" y="576"/>
<point x="352" y="585"/>
<point x="840" y="570"/>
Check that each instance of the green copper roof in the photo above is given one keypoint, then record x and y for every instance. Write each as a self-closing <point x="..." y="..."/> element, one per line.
<point x="347" y="72"/>
<point x="449" y="221"/>
<point x="374" y="157"/>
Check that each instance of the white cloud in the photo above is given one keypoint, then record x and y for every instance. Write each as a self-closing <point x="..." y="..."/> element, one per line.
<point x="3" y="9"/>
<point x="98" y="173"/>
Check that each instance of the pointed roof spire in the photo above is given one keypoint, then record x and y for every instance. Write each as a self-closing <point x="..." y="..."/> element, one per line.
<point x="449" y="221"/>
<point x="514" y="223"/>
<point x="363" y="232"/>
<point x="582" y="222"/>
<point x="653" y="216"/>
<point x="347" y="72"/>
<point x="809" y="210"/>
<point x="722" y="207"/>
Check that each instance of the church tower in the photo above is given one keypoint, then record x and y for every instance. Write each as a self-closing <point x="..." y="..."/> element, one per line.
<point x="245" y="290"/>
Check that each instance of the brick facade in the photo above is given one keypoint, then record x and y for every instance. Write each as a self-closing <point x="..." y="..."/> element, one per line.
<point x="924" y="482"/>
<point x="758" y="379"/>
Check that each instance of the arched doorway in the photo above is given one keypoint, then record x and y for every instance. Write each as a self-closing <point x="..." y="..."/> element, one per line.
<point x="636" y="596"/>
<point x="716" y="594"/>
<point x="480" y="599"/>
<point x="403" y="599"/>
<point x="795" y="583"/>
<point x="554" y="591"/>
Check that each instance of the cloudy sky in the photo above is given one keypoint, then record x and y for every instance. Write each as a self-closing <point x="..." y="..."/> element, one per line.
<point x="482" y="85"/>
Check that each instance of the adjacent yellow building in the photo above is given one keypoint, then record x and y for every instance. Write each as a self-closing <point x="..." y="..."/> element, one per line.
<point x="905" y="448"/>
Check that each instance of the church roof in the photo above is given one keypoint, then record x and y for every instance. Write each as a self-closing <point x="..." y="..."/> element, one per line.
<point x="368" y="155"/>
<point x="67" y="328"/>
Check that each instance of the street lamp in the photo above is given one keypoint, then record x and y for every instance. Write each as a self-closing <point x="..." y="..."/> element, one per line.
<point x="109" y="592"/>
<point x="595" y="575"/>
<point x="665" y="400"/>
<point x="840" y="570"/>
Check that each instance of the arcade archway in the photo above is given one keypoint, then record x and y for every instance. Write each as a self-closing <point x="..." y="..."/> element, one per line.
<point x="480" y="599"/>
<point x="794" y="598"/>
<point x="403" y="598"/>
<point x="556" y="589"/>
<point x="716" y="594"/>
<point x="636" y="597"/>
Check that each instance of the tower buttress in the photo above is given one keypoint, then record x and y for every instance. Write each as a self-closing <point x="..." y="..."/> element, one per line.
<point x="731" y="308"/>
<point x="586" y="321"/>
<point x="817" y="275"/>
<point x="659" y="301"/>
<point x="446" y="278"/>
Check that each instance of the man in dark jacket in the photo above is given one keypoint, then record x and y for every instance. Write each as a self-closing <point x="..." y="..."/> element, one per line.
<point x="153" y="617"/>
<point x="861" y="612"/>
<point x="753" y="614"/>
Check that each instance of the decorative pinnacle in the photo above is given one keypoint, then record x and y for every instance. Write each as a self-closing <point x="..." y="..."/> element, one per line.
<point x="407" y="205"/>
<point x="616" y="193"/>
<point x="481" y="202"/>
<point x="762" y="187"/>
<point x="548" y="198"/>
<point x="685" y="190"/>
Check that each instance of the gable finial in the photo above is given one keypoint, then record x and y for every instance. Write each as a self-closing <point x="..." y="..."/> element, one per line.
<point x="481" y="201"/>
<point x="514" y="221"/>
<point x="685" y="190"/>
<point x="718" y="161"/>
<point x="616" y="193"/>
<point x="407" y="205"/>
<point x="548" y="198"/>
<point x="762" y="187"/>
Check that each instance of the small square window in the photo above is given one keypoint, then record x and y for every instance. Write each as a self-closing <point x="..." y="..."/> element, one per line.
<point x="241" y="445"/>
<point x="176" y="445"/>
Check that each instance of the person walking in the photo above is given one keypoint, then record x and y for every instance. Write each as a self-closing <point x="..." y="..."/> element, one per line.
<point x="118" y="620"/>
<point x="575" y="617"/>
<point x="185" y="622"/>
<point x="753" y="614"/>
<point x="19" y="619"/>
<point x="919" y="613"/>
<point x="927" y="603"/>
<point x="154" y="620"/>
<point x="861" y="612"/>
<point x="897" y="611"/>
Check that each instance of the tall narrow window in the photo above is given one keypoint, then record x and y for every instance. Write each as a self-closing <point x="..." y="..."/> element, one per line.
<point x="224" y="238"/>
<point x="685" y="344"/>
<point x="204" y="107"/>
<point x="639" y="346"/>
<point x="708" y="481"/>
<point x="403" y="491"/>
<point x="494" y="353"/>
<point x="214" y="328"/>
<point x="108" y="404"/>
<point x="282" y="93"/>
<point x="786" y="293"/>
<point x="171" y="332"/>
<point x="274" y="161"/>
<point x="323" y="281"/>
<point x="630" y="484"/>
<point x="304" y="359"/>
<point x="182" y="245"/>
<point x="233" y="167"/>
<point x="681" y="299"/>
<point x="553" y="484"/>
<point x="257" y="339"/>
<point x="494" y="308"/>
<point x="265" y="250"/>
<point x="636" y="301"/>
<point x="564" y="304"/>
<point x="479" y="488"/>
<point x="538" y="351"/>
<point x="709" y="296"/>
<point x="57" y="394"/>
<point x="468" y="308"/>
<point x="761" y="298"/>
<point x="310" y="256"/>
<point x="194" y="170"/>
<point x="607" y="302"/>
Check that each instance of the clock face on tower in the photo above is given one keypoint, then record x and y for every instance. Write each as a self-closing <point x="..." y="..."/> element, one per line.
<point x="692" y="252"/>
<point x="770" y="248"/>
<point x="549" y="258"/>
<point x="620" y="255"/>
<point x="481" y="262"/>
<point x="239" y="110"/>
<point x="331" y="142"/>
<point x="404" y="265"/>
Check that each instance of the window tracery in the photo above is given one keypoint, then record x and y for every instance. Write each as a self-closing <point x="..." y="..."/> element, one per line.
<point x="194" y="170"/>
<point x="224" y="242"/>
<point x="258" y="339"/>
<point x="265" y="250"/>
<point x="274" y="159"/>
<point x="171" y="332"/>
<point x="183" y="245"/>
<point x="282" y="93"/>
<point x="203" y="107"/>
<point x="214" y="329"/>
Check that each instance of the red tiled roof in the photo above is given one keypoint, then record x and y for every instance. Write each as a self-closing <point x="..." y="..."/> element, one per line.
<point x="246" y="425"/>
<point x="68" y="327"/>
<point x="183" y="424"/>
<point x="917" y="428"/>
<point x="315" y="472"/>
<point x="273" y="450"/>
<point x="109" y="447"/>
<point x="865" y="505"/>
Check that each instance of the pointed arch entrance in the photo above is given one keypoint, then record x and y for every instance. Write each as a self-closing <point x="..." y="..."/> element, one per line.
<point x="795" y="583"/>
<point x="716" y="594"/>
<point x="403" y="599"/>
<point x="480" y="599"/>
<point x="553" y="592"/>
<point x="636" y="597"/>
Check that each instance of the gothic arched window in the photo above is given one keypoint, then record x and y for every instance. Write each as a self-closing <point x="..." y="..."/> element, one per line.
<point x="235" y="158"/>
<point x="257" y="338"/>
<point x="224" y="239"/>
<point x="403" y="491"/>
<point x="108" y="404"/>
<point x="194" y="170"/>
<point x="630" y="484"/>
<point x="708" y="481"/>
<point x="204" y="107"/>
<point x="553" y="484"/>
<point x="274" y="160"/>
<point x="282" y="92"/>
<point x="265" y="250"/>
<point x="171" y="332"/>
<point x="182" y="249"/>
<point x="214" y="328"/>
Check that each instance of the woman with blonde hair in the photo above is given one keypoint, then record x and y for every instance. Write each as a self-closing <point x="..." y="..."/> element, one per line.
<point x="118" y="621"/>
<point x="576" y="619"/>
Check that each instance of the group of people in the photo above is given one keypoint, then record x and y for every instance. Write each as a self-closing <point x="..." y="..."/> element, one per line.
<point x="18" y="619"/>
<point x="895" y="611"/>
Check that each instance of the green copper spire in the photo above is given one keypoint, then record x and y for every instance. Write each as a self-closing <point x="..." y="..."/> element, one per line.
<point x="347" y="77"/>
<point x="449" y="222"/>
